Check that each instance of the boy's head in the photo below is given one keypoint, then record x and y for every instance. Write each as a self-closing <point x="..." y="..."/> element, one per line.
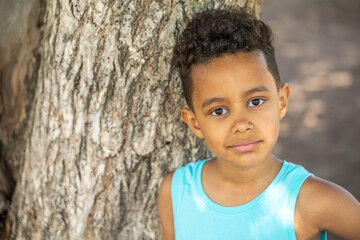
<point x="215" y="33"/>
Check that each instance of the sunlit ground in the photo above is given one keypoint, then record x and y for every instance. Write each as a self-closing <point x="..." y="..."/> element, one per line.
<point x="318" y="50"/>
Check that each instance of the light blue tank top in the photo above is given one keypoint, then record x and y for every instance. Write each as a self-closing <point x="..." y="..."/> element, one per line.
<point x="269" y="216"/>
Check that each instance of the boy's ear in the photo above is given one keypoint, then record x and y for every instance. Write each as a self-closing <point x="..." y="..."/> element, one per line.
<point x="189" y="117"/>
<point x="284" y="94"/>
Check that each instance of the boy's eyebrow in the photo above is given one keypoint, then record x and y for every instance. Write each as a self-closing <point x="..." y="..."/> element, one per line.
<point x="212" y="100"/>
<point x="209" y="101"/>
<point x="261" y="88"/>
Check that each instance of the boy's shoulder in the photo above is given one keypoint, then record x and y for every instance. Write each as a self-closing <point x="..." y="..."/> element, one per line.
<point x="165" y="207"/>
<point x="165" y="186"/>
<point x="323" y="205"/>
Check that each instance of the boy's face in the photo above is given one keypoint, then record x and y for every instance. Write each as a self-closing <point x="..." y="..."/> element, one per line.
<point x="237" y="108"/>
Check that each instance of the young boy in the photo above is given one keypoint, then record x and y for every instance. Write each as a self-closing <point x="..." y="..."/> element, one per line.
<point x="232" y="87"/>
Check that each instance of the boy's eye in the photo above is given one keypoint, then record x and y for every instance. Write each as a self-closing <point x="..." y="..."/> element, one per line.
<point x="219" y="111"/>
<point x="256" y="102"/>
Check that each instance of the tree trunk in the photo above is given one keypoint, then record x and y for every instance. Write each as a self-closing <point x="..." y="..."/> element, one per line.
<point x="104" y="126"/>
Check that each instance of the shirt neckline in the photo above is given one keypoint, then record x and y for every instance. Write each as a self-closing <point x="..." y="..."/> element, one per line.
<point x="234" y="209"/>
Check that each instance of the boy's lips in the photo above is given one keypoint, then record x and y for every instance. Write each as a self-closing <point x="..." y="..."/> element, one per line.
<point x="245" y="146"/>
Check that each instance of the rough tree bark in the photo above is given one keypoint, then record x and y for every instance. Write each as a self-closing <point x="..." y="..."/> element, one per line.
<point x="104" y="126"/>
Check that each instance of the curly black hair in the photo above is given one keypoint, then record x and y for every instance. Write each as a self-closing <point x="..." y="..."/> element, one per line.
<point x="212" y="34"/>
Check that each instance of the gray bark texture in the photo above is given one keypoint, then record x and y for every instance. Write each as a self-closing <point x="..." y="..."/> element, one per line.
<point x="100" y="124"/>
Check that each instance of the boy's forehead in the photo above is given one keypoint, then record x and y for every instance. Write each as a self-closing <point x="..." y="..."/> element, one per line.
<point x="247" y="67"/>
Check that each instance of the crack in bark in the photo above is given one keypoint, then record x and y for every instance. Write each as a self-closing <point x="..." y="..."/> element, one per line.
<point x="105" y="219"/>
<point x="144" y="8"/>
<point x="122" y="208"/>
<point x="90" y="222"/>
<point x="109" y="89"/>
<point x="158" y="32"/>
<point x="125" y="136"/>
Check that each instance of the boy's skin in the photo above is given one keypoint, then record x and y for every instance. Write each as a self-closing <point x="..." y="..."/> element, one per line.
<point x="237" y="110"/>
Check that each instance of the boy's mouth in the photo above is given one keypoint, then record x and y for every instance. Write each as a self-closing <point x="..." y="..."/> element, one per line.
<point x="245" y="146"/>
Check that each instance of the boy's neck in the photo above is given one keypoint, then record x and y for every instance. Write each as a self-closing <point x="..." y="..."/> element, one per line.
<point x="229" y="174"/>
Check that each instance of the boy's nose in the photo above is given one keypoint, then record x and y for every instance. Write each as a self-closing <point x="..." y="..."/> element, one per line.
<point x="242" y="125"/>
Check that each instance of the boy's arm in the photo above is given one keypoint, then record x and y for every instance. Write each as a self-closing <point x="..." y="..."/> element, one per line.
<point x="165" y="208"/>
<point x="326" y="206"/>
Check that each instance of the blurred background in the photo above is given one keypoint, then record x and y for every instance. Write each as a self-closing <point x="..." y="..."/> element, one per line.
<point x="317" y="44"/>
